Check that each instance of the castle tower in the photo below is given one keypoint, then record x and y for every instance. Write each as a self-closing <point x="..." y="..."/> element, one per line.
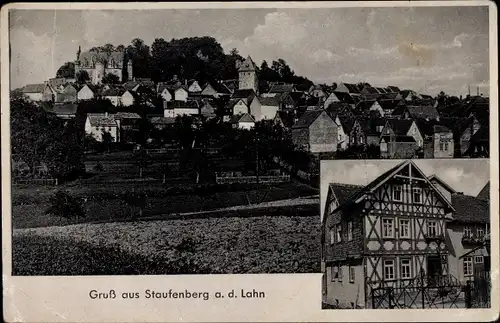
<point x="130" y="70"/>
<point x="247" y="75"/>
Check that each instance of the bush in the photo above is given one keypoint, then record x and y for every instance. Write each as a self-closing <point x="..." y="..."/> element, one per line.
<point x="64" y="205"/>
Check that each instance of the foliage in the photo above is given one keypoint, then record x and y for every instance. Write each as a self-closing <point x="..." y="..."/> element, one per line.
<point x="64" y="205"/>
<point x="360" y="152"/>
<point x="82" y="77"/>
<point x="98" y="167"/>
<point x="67" y="70"/>
<point x="110" y="78"/>
<point x="136" y="200"/>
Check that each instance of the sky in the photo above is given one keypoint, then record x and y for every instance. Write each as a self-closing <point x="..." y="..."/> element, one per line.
<point x="464" y="175"/>
<point x="427" y="49"/>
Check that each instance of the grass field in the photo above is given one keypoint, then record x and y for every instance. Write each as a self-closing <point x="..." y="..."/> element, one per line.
<point x="281" y="240"/>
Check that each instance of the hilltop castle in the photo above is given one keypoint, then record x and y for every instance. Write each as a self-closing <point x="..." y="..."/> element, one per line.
<point x="98" y="63"/>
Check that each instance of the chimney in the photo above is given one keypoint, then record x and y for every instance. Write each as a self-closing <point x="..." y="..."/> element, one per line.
<point x="186" y="83"/>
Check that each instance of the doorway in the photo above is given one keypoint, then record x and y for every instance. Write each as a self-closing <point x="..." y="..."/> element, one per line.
<point x="434" y="269"/>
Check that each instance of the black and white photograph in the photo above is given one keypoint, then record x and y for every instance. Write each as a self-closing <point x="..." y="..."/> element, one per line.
<point x="406" y="234"/>
<point x="342" y="144"/>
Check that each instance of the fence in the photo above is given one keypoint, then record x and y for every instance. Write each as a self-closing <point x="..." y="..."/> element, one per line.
<point x="34" y="181"/>
<point x="210" y="151"/>
<point x="225" y="179"/>
<point x="479" y="288"/>
<point x="441" y="291"/>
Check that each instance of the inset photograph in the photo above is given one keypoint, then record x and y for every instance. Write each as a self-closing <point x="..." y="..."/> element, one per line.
<point x="405" y="233"/>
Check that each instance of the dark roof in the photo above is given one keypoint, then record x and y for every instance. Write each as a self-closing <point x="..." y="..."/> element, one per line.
<point x="442" y="183"/>
<point x="364" y="105"/>
<point x="190" y="104"/>
<point x="114" y="91"/>
<point x="243" y="94"/>
<point x="370" y="89"/>
<point x="381" y="90"/>
<point x="388" y="104"/>
<point x="65" y="108"/>
<point x="102" y="120"/>
<point x="272" y="101"/>
<point x="281" y="88"/>
<point x="423" y="111"/>
<point x="353" y="88"/>
<point x="162" y="120"/>
<point x="297" y="96"/>
<point x="394" y="88"/>
<point x="400" y="127"/>
<point x="307" y="118"/>
<point x="33" y="88"/>
<point x="344" y="97"/>
<point x="127" y="115"/>
<point x="485" y="192"/>
<point x="389" y="96"/>
<point x="344" y="191"/>
<point x="337" y="108"/>
<point x="470" y="209"/>
<point x="430" y="127"/>
<point x="246" y="65"/>
<point x="286" y="118"/>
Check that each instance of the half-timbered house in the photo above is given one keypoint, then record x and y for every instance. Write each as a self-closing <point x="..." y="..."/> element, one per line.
<point x="382" y="234"/>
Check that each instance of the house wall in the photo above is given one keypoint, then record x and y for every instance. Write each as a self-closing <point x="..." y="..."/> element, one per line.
<point x="165" y="94"/>
<point x="48" y="94"/>
<point x="342" y="291"/>
<point x="268" y="112"/>
<point x="34" y="96"/>
<point x="442" y="189"/>
<point x="96" y="132"/>
<point x="415" y="133"/>
<point x="127" y="99"/>
<point x="300" y="137"/>
<point x="455" y="232"/>
<point x="342" y="137"/>
<point x="115" y="100"/>
<point x="185" y="111"/>
<point x="69" y="95"/>
<point x="256" y="109"/>
<point x="168" y="113"/>
<point x="444" y="137"/>
<point x="356" y="136"/>
<point x="240" y="108"/>
<point x="181" y="95"/>
<point x="400" y="150"/>
<point x="246" y="125"/>
<point x="323" y="134"/>
<point x="195" y="87"/>
<point x="247" y="80"/>
<point x="376" y="107"/>
<point x="209" y="90"/>
<point x="85" y="94"/>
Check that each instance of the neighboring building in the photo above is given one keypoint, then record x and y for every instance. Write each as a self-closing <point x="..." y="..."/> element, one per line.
<point x="388" y="106"/>
<point x="114" y="94"/>
<point x="269" y="106"/>
<point x="179" y="108"/>
<point x="348" y="88"/>
<point x="438" y="142"/>
<point x="180" y="93"/>
<point x="194" y="87"/>
<point x="64" y="110"/>
<point x="242" y="121"/>
<point x="237" y="106"/>
<point x="207" y="109"/>
<point x="216" y="90"/>
<point x="128" y="126"/>
<point x="247" y="75"/>
<point x="86" y="92"/>
<point x="465" y="132"/>
<point x="99" y="63"/>
<point x="164" y="91"/>
<point x="396" y="127"/>
<point x="34" y="92"/>
<point x="282" y="88"/>
<point x="161" y="123"/>
<point x="68" y="93"/>
<point x="397" y="147"/>
<point x="128" y="98"/>
<point x="318" y="91"/>
<point x="485" y="192"/>
<point x="49" y="93"/>
<point x="316" y="132"/>
<point x="97" y="125"/>
<point x="382" y="234"/>
<point x="425" y="112"/>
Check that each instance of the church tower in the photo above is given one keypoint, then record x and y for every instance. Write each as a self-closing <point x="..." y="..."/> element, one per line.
<point x="247" y="75"/>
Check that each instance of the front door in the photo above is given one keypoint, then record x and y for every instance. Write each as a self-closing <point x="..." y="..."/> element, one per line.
<point x="434" y="269"/>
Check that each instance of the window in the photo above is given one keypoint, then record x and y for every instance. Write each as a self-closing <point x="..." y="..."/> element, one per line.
<point x="335" y="273"/>
<point x="352" y="274"/>
<point x="389" y="269"/>
<point x="361" y="139"/>
<point x="478" y="259"/>
<point x="404" y="228"/>
<point x="405" y="268"/>
<point x="441" y="146"/>
<point x="340" y="137"/>
<point x="417" y="195"/>
<point x="432" y="228"/>
<point x="446" y="146"/>
<point x="332" y="236"/>
<point x="397" y="193"/>
<point x="467" y="266"/>
<point x="339" y="233"/>
<point x="349" y="231"/>
<point x="467" y="232"/>
<point x="480" y="232"/>
<point x="388" y="228"/>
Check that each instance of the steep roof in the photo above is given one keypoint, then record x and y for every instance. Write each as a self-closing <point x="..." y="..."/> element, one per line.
<point x="344" y="97"/>
<point x="423" y="111"/>
<point x="269" y="101"/>
<point x="353" y="88"/>
<point x="398" y="138"/>
<point x="370" y="89"/>
<point x="281" y="88"/>
<point x="190" y="104"/>
<point x="470" y="209"/>
<point x="388" y="104"/>
<point x="243" y="94"/>
<point x="442" y="183"/>
<point x="34" y="88"/>
<point x="431" y="127"/>
<point x="394" y="88"/>
<point x="343" y="192"/>
<point x="232" y="102"/>
<point x="400" y="126"/>
<point x="114" y="91"/>
<point x="246" y="65"/>
<point x="485" y="192"/>
<point x="127" y="115"/>
<point x="64" y="108"/>
<point x="364" y="105"/>
<point x="307" y="118"/>
<point x="244" y="117"/>
<point x="286" y="118"/>
<point x="101" y="121"/>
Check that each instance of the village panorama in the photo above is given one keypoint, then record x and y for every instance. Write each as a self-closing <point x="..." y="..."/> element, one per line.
<point x="183" y="159"/>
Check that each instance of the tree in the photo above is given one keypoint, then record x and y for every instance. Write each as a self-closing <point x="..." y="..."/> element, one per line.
<point x="98" y="167"/>
<point x="107" y="139"/>
<point x="143" y="161"/>
<point x="82" y="77"/>
<point x="136" y="200"/>
<point x="67" y="70"/>
<point x="110" y="78"/>
<point x="66" y="206"/>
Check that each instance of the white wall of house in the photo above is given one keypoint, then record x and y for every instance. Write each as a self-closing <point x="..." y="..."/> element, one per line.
<point x="343" y="137"/>
<point x="181" y="94"/>
<point x="343" y="289"/>
<point x="127" y="99"/>
<point x="246" y="125"/>
<point x="185" y="111"/>
<point x="415" y="133"/>
<point x="240" y="108"/>
<point x="209" y="90"/>
<point x="256" y="109"/>
<point x="34" y="96"/>
<point x="85" y="93"/>
<point x="115" y="100"/>
<point x="165" y="94"/>
<point x="330" y="99"/>
<point x="268" y="112"/>
<point x="97" y="132"/>
<point x="194" y="87"/>
<point x="168" y="113"/>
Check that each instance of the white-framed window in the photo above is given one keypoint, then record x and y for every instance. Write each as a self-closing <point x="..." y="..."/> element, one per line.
<point x="397" y="193"/>
<point x="352" y="274"/>
<point x="339" y="233"/>
<point x="389" y="269"/>
<point x="480" y="232"/>
<point x="417" y="195"/>
<point x="332" y="235"/>
<point x="335" y="273"/>
<point x="405" y="268"/>
<point x="468" y="266"/>
<point x="387" y="228"/>
<point x="441" y="146"/>
<point x="349" y="231"/>
<point x="432" y="228"/>
<point x="467" y="231"/>
<point x="404" y="228"/>
<point x="479" y="259"/>
<point x="361" y="139"/>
